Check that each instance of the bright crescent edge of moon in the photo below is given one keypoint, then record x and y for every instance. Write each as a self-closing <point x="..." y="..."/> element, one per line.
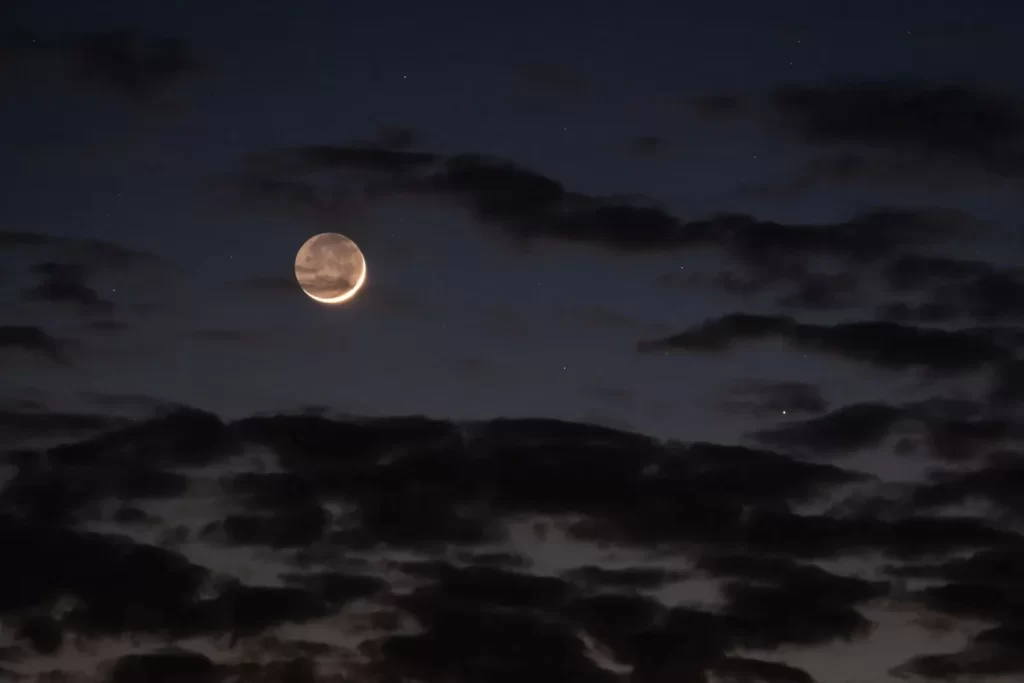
<point x="341" y="298"/>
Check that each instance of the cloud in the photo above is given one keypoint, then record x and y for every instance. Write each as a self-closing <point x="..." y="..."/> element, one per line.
<point x="113" y="580"/>
<point x="324" y="183"/>
<point x="983" y="657"/>
<point x="845" y="430"/>
<point x="761" y="589"/>
<point x="131" y="402"/>
<point x="553" y="80"/>
<point x="882" y="344"/>
<point x="130" y="63"/>
<point x="629" y="578"/>
<point x="34" y="340"/>
<point x="314" y="158"/>
<point x="995" y="484"/>
<point x="497" y="587"/>
<point x="950" y="288"/>
<point x="509" y="645"/>
<point x="126" y="62"/>
<point x="968" y="125"/>
<point x="68" y="266"/>
<point x="766" y="617"/>
<point x="529" y="204"/>
<point x="396" y="137"/>
<point x="743" y="668"/>
<point x="1008" y="384"/>
<point x="762" y="398"/>
<point x="449" y="493"/>
<point x="954" y="435"/>
<point x="293" y="527"/>
<point x="646" y="145"/>
<point x="85" y="252"/>
<point x="606" y="394"/>
<point x="18" y="424"/>
<point x="66" y="283"/>
<point x="221" y="335"/>
<point x="947" y="137"/>
<point x="157" y="666"/>
<point x="268" y="283"/>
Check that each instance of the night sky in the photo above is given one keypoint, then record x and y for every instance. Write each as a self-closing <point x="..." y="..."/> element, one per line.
<point x="782" y="241"/>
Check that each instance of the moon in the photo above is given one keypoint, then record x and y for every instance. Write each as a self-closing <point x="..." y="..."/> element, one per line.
<point x="330" y="268"/>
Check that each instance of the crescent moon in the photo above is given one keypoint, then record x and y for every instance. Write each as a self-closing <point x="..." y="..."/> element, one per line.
<point x="330" y="268"/>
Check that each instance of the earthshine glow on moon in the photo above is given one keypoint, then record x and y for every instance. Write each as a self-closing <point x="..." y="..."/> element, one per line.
<point x="330" y="268"/>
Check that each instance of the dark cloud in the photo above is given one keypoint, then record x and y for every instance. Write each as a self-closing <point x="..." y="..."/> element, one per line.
<point x="949" y="432"/>
<point x="505" y="646"/>
<point x="318" y="158"/>
<point x="66" y="283"/>
<point x="504" y="560"/>
<point x="882" y="344"/>
<point x="338" y="588"/>
<point x="845" y="430"/>
<point x="980" y="658"/>
<point x="984" y="587"/>
<point x="182" y="437"/>
<point x="396" y="138"/>
<point x="125" y="62"/>
<point x="106" y="325"/>
<point x="34" y="340"/>
<point x="1008" y="384"/>
<point x="270" y="491"/>
<point x="131" y="402"/>
<point x="287" y="528"/>
<point x="822" y="292"/>
<point x="762" y="398"/>
<point x="946" y="137"/>
<point x="873" y="169"/>
<point x="821" y="267"/>
<point x="902" y="537"/>
<point x="497" y="587"/>
<point x="59" y="494"/>
<point x="553" y="79"/>
<point x="300" y="669"/>
<point x="912" y="272"/>
<point x="323" y="182"/>
<point x="950" y="289"/>
<point x="17" y="424"/>
<point x="68" y="262"/>
<point x="630" y="578"/>
<point x="110" y="577"/>
<point x="609" y="395"/>
<point x="443" y="488"/>
<point x="719" y="105"/>
<point x="129" y="63"/>
<point x="926" y="313"/>
<point x="795" y="576"/>
<point x="762" y="617"/>
<point x="646" y="145"/>
<point x="217" y="335"/>
<point x="997" y="484"/>
<point x="968" y="125"/>
<point x="163" y="667"/>
<point x="269" y="283"/>
<point x="746" y="669"/>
